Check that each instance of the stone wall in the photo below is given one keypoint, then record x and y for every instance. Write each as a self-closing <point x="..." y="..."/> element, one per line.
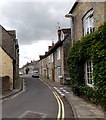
<point x="81" y="9"/>
<point x="6" y="66"/>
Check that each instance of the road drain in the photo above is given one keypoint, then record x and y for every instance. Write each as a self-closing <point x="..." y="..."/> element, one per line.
<point x="30" y="114"/>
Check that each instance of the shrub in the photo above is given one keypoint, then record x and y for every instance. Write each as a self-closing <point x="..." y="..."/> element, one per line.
<point x="91" y="46"/>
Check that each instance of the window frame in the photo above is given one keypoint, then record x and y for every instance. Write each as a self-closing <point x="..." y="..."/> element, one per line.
<point x="49" y="58"/>
<point x="58" y="71"/>
<point x="52" y="57"/>
<point x="58" y="53"/>
<point x="88" y="23"/>
<point x="88" y="73"/>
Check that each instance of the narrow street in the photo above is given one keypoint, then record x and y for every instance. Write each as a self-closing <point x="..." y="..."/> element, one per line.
<point x="38" y="101"/>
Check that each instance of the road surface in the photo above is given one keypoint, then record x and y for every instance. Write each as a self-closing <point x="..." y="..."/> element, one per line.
<point x="38" y="101"/>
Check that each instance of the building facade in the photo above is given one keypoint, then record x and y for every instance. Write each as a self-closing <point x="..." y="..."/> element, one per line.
<point x="86" y="17"/>
<point x="53" y="63"/>
<point x="10" y="56"/>
<point x="33" y="65"/>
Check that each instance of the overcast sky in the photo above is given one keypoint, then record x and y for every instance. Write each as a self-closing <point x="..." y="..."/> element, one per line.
<point x="35" y="24"/>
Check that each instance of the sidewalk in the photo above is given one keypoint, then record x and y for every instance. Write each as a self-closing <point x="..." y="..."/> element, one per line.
<point x="80" y="107"/>
<point x="14" y="91"/>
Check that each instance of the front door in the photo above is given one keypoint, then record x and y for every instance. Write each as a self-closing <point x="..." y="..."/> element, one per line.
<point x="53" y="75"/>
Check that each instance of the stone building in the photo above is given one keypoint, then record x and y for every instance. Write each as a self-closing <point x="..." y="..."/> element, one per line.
<point x="9" y="50"/>
<point x="85" y="18"/>
<point x="33" y="65"/>
<point x="53" y="63"/>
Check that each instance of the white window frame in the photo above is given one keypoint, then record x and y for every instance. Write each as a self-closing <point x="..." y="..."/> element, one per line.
<point x="58" y="71"/>
<point x="62" y="36"/>
<point x="49" y="72"/>
<point x="58" y="53"/>
<point x="49" y="58"/>
<point x="52" y="58"/>
<point x="88" y="73"/>
<point x="88" y="23"/>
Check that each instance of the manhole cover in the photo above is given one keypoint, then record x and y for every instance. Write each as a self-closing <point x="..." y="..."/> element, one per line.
<point x="30" y="114"/>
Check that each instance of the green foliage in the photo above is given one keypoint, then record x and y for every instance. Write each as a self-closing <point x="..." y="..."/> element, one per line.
<point x="27" y="70"/>
<point x="92" y="46"/>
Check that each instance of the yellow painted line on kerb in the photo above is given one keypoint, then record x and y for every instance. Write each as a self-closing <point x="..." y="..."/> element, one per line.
<point x="60" y="104"/>
<point x="63" y="112"/>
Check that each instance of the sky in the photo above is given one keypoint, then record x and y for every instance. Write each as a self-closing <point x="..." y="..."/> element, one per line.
<point x="36" y="24"/>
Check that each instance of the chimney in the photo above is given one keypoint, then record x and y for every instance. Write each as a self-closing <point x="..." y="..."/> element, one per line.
<point x="59" y="35"/>
<point x="40" y="56"/>
<point x="49" y="47"/>
<point x="45" y="53"/>
<point x="52" y="43"/>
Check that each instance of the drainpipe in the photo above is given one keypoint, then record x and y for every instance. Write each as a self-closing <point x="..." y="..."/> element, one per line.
<point x="71" y="16"/>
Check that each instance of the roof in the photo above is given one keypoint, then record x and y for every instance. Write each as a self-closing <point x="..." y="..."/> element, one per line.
<point x="10" y="32"/>
<point x="58" y="43"/>
<point x="73" y="6"/>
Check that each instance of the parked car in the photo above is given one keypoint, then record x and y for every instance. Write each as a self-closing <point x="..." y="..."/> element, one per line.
<point x="35" y="74"/>
<point x="20" y="73"/>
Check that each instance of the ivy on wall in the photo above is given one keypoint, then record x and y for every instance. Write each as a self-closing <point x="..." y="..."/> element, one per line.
<point x="91" y="46"/>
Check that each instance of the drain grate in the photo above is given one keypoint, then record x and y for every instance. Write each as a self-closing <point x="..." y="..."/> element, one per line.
<point x="30" y="114"/>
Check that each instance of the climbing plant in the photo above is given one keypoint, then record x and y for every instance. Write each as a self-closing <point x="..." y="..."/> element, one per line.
<point x="91" y="46"/>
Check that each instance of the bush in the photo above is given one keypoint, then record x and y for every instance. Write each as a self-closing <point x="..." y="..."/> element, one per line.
<point x="92" y="46"/>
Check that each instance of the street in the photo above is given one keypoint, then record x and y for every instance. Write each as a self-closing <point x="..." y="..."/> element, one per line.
<point x="38" y="101"/>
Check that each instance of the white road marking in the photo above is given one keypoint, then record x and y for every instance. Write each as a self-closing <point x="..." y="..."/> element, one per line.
<point x="55" y="88"/>
<point x="65" y="91"/>
<point x="61" y="88"/>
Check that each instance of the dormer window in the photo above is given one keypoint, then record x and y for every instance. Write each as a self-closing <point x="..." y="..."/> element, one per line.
<point x="88" y="23"/>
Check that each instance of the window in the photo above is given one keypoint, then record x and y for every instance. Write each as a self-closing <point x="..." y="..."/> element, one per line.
<point x="88" y="23"/>
<point x="52" y="58"/>
<point x="49" y="72"/>
<point x="59" y="71"/>
<point x="89" y="71"/>
<point x="58" y="53"/>
<point x="62" y="35"/>
<point x="49" y="58"/>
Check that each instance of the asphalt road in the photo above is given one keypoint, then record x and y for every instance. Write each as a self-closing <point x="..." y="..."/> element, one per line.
<point x="38" y="101"/>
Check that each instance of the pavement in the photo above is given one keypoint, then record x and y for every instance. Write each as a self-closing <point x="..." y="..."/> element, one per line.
<point x="81" y="107"/>
<point x="19" y="88"/>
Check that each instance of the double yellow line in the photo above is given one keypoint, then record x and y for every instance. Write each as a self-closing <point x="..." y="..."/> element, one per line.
<point x="61" y="111"/>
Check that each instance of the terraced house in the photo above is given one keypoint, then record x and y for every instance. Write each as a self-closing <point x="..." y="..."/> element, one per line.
<point x="53" y="63"/>
<point x="9" y="51"/>
<point x="85" y="18"/>
<point x="87" y="55"/>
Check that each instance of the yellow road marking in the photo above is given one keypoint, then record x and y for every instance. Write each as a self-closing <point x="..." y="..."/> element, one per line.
<point x="59" y="109"/>
<point x="60" y="103"/>
<point x="63" y="112"/>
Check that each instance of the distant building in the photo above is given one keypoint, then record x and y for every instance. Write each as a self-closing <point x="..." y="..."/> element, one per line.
<point x="33" y="65"/>
<point x="53" y="63"/>
<point x="9" y="50"/>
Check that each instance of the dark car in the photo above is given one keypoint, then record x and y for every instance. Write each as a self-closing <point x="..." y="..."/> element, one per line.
<point x="35" y="74"/>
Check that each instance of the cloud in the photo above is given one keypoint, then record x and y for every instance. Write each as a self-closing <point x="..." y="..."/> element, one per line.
<point x="34" y="21"/>
<point x="35" y="24"/>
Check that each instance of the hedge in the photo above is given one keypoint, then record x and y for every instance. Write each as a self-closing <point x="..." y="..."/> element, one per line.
<point x="93" y="47"/>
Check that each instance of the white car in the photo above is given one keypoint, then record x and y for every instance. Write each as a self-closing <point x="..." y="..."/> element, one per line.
<point x="35" y="74"/>
<point x="20" y="73"/>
